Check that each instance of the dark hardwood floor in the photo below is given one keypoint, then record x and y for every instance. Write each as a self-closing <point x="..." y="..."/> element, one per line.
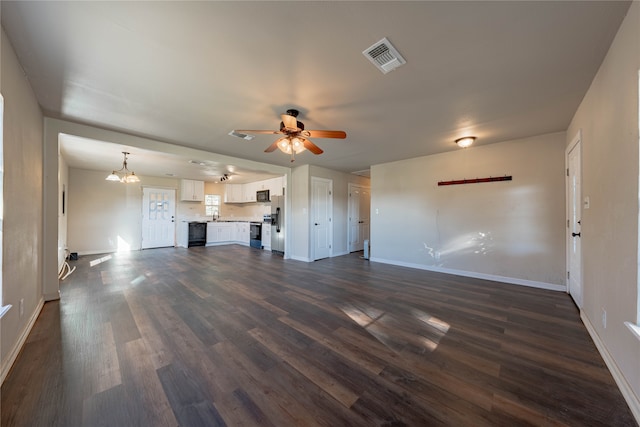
<point x="240" y="337"/>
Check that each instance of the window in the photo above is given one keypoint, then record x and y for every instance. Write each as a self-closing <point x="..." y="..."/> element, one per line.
<point x="212" y="205"/>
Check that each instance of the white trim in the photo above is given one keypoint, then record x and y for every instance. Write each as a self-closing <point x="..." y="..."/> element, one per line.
<point x="492" y="277"/>
<point x="4" y="309"/>
<point x="13" y="355"/>
<point x="626" y="390"/>
<point x="299" y="258"/>
<point x="577" y="139"/>
<point x="635" y="329"/>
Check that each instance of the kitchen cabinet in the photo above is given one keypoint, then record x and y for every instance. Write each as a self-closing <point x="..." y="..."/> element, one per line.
<point x="242" y="233"/>
<point x="275" y="186"/>
<point x="246" y="193"/>
<point x="233" y="193"/>
<point x="266" y="236"/>
<point x="191" y="191"/>
<point x="228" y="232"/>
<point x="182" y="234"/>
<point x="219" y="232"/>
<point x="249" y="191"/>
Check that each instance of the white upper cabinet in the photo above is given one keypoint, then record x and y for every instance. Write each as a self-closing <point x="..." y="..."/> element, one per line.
<point x="249" y="191"/>
<point x="275" y="186"/>
<point x="191" y="190"/>
<point x="246" y="193"/>
<point x="233" y="193"/>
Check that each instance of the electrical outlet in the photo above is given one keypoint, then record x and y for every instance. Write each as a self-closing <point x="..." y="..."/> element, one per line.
<point x="21" y="307"/>
<point x="604" y="318"/>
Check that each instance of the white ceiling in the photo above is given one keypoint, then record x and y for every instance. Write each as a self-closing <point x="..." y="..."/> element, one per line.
<point x="187" y="73"/>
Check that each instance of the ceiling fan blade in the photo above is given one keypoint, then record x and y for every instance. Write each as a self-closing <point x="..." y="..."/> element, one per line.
<point x="311" y="146"/>
<point x="290" y="122"/>
<point x="270" y="132"/>
<point x="272" y="147"/>
<point x="325" y="134"/>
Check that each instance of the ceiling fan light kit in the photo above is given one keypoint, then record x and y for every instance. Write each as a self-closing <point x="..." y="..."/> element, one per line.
<point x="296" y="138"/>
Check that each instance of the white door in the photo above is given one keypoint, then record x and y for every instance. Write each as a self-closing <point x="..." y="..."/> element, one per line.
<point x="359" y="209"/>
<point x="158" y="217"/>
<point x="321" y="227"/>
<point x="574" y="214"/>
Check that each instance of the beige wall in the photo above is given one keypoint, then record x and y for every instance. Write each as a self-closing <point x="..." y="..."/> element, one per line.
<point x="105" y="216"/>
<point x="23" y="202"/>
<point x="299" y="218"/>
<point x="511" y="230"/>
<point x="608" y="119"/>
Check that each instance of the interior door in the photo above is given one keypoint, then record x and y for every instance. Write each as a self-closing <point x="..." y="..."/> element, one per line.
<point x="574" y="214"/>
<point x="359" y="210"/>
<point x="158" y="217"/>
<point x="321" y="227"/>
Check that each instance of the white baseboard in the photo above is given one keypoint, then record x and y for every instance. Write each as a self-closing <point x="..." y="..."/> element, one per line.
<point x="13" y="355"/>
<point x="492" y="277"/>
<point x="299" y="258"/>
<point x="626" y="390"/>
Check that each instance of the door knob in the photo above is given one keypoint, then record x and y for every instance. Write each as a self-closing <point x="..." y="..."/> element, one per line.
<point x="316" y="223"/>
<point x="575" y="234"/>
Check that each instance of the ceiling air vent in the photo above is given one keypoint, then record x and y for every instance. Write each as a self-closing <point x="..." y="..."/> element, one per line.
<point x="384" y="56"/>
<point x="241" y="135"/>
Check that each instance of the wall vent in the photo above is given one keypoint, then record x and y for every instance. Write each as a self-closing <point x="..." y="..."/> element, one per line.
<point x="241" y="135"/>
<point x="384" y="56"/>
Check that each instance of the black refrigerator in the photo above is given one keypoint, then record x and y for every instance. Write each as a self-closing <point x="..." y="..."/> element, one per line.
<point x="277" y="224"/>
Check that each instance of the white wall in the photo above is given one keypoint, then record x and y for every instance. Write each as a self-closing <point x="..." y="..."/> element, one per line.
<point x="511" y="230"/>
<point x="106" y="216"/>
<point x="297" y="218"/>
<point x="608" y="119"/>
<point x="23" y="203"/>
<point x="301" y="204"/>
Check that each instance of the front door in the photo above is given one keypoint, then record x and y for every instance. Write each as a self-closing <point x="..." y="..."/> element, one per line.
<point x="158" y="217"/>
<point x="321" y="227"/>
<point x="359" y="209"/>
<point x="574" y="221"/>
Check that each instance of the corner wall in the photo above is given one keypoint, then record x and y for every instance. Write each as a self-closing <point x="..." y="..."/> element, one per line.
<point x="511" y="231"/>
<point x="22" y="247"/>
<point x="609" y="119"/>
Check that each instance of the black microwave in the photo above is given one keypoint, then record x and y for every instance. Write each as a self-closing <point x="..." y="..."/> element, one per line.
<point x="262" y="196"/>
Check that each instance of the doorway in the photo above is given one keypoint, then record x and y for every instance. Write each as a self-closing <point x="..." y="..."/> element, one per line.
<point x="158" y="217"/>
<point x="574" y="219"/>
<point x="321" y="209"/>
<point x="359" y="214"/>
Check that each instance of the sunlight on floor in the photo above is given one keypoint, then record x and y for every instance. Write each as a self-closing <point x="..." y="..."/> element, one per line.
<point x="100" y="260"/>
<point x="425" y="333"/>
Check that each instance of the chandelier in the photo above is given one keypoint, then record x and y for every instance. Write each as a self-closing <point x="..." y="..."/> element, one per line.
<point x="123" y="174"/>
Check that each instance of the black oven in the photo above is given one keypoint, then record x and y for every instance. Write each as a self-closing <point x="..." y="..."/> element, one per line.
<point x="197" y="234"/>
<point x="255" y="235"/>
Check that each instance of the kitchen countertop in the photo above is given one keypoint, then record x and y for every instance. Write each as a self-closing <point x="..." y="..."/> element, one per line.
<point x="223" y="219"/>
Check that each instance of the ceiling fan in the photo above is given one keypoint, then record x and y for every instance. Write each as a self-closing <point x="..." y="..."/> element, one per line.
<point x="295" y="138"/>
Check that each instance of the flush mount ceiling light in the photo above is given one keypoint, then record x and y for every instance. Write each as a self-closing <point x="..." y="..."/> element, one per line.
<point x="466" y="141"/>
<point x="123" y="174"/>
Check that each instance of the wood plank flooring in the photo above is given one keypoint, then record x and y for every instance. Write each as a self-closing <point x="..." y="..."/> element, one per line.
<point x="235" y="336"/>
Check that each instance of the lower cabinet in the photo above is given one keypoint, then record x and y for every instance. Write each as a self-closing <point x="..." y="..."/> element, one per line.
<point x="219" y="232"/>
<point x="227" y="232"/>
<point x="266" y="236"/>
